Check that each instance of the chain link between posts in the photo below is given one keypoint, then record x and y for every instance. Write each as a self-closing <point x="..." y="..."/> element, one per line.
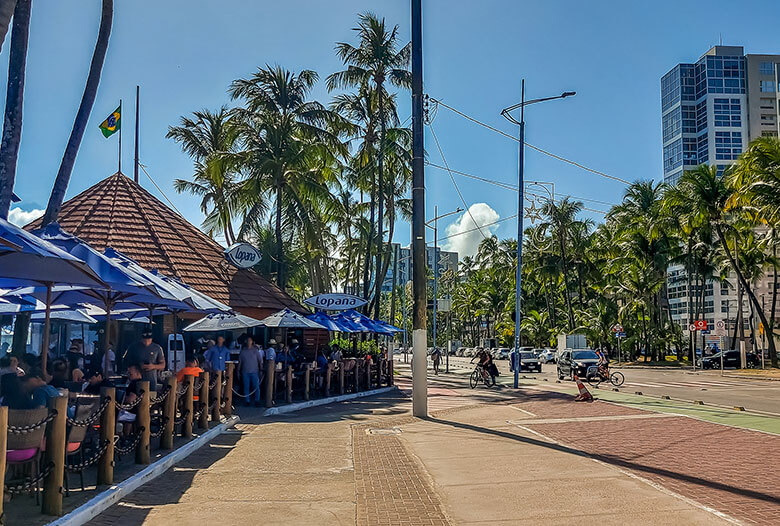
<point x="133" y="404"/>
<point x="30" y="483"/>
<point x="127" y="449"/>
<point x="22" y="430"/>
<point x="97" y="455"/>
<point x="92" y="418"/>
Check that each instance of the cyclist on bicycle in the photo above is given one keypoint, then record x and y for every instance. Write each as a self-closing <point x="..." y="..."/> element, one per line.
<point x="603" y="363"/>
<point x="486" y="363"/>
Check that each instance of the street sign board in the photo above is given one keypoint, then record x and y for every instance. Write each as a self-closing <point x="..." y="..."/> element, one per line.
<point x="692" y="327"/>
<point x="701" y="325"/>
<point x="617" y="328"/>
<point x="335" y="301"/>
<point x="620" y="334"/>
<point x="720" y="328"/>
<point x="242" y="255"/>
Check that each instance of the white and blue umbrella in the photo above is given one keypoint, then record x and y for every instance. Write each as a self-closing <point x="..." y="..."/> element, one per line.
<point x="222" y="322"/>
<point x="330" y="323"/>
<point x="287" y="319"/>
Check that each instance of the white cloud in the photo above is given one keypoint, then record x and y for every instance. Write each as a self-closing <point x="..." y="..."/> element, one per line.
<point x="21" y="217"/>
<point x="466" y="237"/>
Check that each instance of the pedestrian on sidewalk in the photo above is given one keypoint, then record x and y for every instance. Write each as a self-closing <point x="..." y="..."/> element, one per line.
<point x="436" y="358"/>
<point x="250" y="363"/>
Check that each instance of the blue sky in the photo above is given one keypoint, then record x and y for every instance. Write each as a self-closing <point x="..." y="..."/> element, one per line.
<point x="185" y="53"/>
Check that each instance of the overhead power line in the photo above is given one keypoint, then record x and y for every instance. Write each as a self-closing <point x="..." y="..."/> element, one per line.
<point x="540" y="150"/>
<point x="507" y="218"/>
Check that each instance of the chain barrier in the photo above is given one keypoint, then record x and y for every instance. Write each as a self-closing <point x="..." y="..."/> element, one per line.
<point x="22" y="430"/>
<point x="160" y="398"/>
<point x="197" y="385"/>
<point x="131" y="405"/>
<point x="97" y="455"/>
<point x="213" y="384"/>
<point x="127" y="449"/>
<point x="182" y="391"/>
<point x="92" y="418"/>
<point x="196" y="414"/>
<point x="182" y="417"/>
<point x="245" y="396"/>
<point x="30" y="483"/>
<point x="159" y="432"/>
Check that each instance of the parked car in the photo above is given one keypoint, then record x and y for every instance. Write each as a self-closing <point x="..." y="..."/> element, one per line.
<point x="547" y="356"/>
<point x="576" y="361"/>
<point x="503" y="353"/>
<point x="730" y="359"/>
<point x="529" y="362"/>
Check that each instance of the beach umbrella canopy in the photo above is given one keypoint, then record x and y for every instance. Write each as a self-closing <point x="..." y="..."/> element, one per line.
<point x="26" y="259"/>
<point x="201" y="301"/>
<point x="329" y="323"/>
<point x="222" y="322"/>
<point x="287" y="319"/>
<point x="74" y="315"/>
<point x="360" y="321"/>
<point x="392" y="329"/>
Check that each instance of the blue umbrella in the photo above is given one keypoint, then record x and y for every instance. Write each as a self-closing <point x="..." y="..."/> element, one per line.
<point x="392" y="329"/>
<point x="358" y="322"/>
<point x="329" y="323"/>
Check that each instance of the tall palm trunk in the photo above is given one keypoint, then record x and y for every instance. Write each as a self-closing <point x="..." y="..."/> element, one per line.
<point x="770" y="330"/>
<point x="562" y="243"/>
<point x="750" y="294"/>
<point x="6" y="12"/>
<point x="380" y="277"/>
<point x="82" y="116"/>
<point x="369" y="261"/>
<point x="279" y="242"/>
<point x="691" y="334"/>
<point x="14" y="102"/>
<point x="738" y="321"/>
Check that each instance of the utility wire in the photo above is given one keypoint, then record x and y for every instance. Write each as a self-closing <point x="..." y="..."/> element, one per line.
<point x="508" y="186"/>
<point x="507" y="218"/>
<point x="143" y="167"/>
<point x="545" y="152"/>
<point x="466" y="206"/>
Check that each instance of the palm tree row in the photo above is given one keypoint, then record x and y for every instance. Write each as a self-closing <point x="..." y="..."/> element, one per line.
<point x="327" y="181"/>
<point x="661" y="242"/>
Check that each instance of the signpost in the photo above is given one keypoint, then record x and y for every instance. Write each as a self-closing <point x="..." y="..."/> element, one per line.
<point x="698" y="325"/>
<point x="618" y="330"/>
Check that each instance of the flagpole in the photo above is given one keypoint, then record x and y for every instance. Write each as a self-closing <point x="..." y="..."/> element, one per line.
<point x="120" y="135"/>
<point x="135" y="166"/>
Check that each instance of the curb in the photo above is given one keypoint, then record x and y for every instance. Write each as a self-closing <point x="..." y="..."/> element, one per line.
<point x="104" y="500"/>
<point x="746" y="377"/>
<point x="271" y="411"/>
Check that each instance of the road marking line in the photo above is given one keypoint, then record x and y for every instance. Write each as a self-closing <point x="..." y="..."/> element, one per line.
<point x="522" y="410"/>
<point x="591" y="419"/>
<point x="634" y="476"/>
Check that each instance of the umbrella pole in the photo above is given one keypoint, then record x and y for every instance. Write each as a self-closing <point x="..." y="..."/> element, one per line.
<point x="46" y="328"/>
<point x="176" y="343"/>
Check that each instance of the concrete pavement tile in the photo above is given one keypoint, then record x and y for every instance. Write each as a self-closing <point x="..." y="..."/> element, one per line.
<point x="283" y="513"/>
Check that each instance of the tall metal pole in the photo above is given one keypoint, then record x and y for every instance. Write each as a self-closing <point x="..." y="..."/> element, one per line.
<point x="420" y="334"/>
<point x="518" y="316"/>
<point x="135" y="164"/>
<point x="435" y="268"/>
<point x="120" y="136"/>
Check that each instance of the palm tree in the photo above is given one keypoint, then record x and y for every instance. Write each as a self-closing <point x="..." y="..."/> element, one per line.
<point x="82" y="116"/>
<point x="6" y="12"/>
<point x="377" y="58"/>
<point x="285" y="139"/>
<point x="709" y="199"/>
<point x="14" y="102"/>
<point x="211" y="139"/>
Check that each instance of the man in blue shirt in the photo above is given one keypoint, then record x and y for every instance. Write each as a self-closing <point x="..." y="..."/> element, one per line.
<point x="217" y="355"/>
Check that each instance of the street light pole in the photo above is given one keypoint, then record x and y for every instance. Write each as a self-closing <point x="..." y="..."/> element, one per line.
<point x="419" y="279"/>
<point x="435" y="228"/>
<point x="521" y="151"/>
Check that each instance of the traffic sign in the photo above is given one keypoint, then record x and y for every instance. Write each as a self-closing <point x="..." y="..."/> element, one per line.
<point x="692" y="327"/>
<point x="620" y="334"/>
<point x="617" y="328"/>
<point x="720" y="328"/>
<point x="701" y="325"/>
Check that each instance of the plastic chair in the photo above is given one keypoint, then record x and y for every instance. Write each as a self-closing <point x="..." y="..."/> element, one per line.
<point x="85" y="406"/>
<point x="24" y="450"/>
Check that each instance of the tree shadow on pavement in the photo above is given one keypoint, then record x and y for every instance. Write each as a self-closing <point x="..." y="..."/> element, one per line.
<point x="612" y="460"/>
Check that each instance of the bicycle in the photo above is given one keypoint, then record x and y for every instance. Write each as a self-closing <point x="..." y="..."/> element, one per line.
<point x="481" y="375"/>
<point x="595" y="375"/>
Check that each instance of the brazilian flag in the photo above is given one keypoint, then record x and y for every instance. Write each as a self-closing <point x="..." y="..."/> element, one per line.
<point x="112" y="123"/>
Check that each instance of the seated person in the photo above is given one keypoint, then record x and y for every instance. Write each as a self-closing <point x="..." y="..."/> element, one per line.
<point x="77" y="375"/>
<point x="190" y="368"/>
<point x="13" y="396"/>
<point x="60" y="376"/>
<point x="36" y="387"/>
<point x="94" y="381"/>
<point x="10" y="364"/>
<point x="128" y="418"/>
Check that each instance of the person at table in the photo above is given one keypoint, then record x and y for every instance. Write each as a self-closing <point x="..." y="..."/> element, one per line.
<point x="217" y="355"/>
<point x="60" y="373"/>
<point x="10" y="365"/>
<point x="135" y="375"/>
<point x="36" y="387"/>
<point x="270" y="352"/>
<point x="191" y="368"/>
<point x="94" y="381"/>
<point x="148" y="357"/>
<point x="250" y="364"/>
<point x="12" y="394"/>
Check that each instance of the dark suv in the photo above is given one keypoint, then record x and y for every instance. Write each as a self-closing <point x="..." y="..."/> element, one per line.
<point x="730" y="359"/>
<point x="572" y="362"/>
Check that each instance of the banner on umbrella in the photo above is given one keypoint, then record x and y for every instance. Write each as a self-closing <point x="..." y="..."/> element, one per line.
<point x="335" y="301"/>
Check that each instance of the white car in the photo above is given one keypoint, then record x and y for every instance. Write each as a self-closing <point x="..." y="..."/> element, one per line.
<point x="547" y="356"/>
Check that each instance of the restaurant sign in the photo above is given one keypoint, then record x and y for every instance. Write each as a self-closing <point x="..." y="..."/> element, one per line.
<point x="335" y="301"/>
<point x="242" y="255"/>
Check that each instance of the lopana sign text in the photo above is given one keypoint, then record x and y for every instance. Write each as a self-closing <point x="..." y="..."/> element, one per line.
<point x="242" y="255"/>
<point x="335" y="301"/>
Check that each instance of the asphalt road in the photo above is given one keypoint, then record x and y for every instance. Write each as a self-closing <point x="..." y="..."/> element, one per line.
<point x="709" y="387"/>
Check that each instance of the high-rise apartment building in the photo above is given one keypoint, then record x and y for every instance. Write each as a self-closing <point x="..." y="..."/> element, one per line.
<point x="447" y="261"/>
<point x="712" y="109"/>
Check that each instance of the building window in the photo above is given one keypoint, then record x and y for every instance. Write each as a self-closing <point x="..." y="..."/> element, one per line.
<point x="671" y="124"/>
<point x="673" y="155"/>
<point x="766" y="133"/>
<point x="728" y="145"/>
<point x="704" y="152"/>
<point x="767" y="86"/>
<point x="767" y="104"/>
<point x="766" y="68"/>
<point x="727" y="112"/>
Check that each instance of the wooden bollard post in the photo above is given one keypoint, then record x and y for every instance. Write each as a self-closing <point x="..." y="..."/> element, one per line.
<point x="390" y="372"/>
<point x="306" y="381"/>
<point x="270" y="375"/>
<point x="169" y="414"/>
<point x="107" y="429"/>
<point x="356" y="374"/>
<point x="288" y="380"/>
<point x="328" y="375"/>
<point x="379" y="368"/>
<point x="51" y="504"/>
<point x="143" y="422"/>
<point x="230" y="368"/>
<point x="368" y="376"/>
<point x="217" y="398"/>
<point x="188" y="409"/>
<point x="3" y="448"/>
<point x="341" y="378"/>
<point x="203" y="401"/>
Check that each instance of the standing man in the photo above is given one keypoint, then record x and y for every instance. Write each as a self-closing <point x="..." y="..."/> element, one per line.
<point x="217" y="355"/>
<point x="250" y="364"/>
<point x="270" y="352"/>
<point x="436" y="358"/>
<point x="148" y="357"/>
